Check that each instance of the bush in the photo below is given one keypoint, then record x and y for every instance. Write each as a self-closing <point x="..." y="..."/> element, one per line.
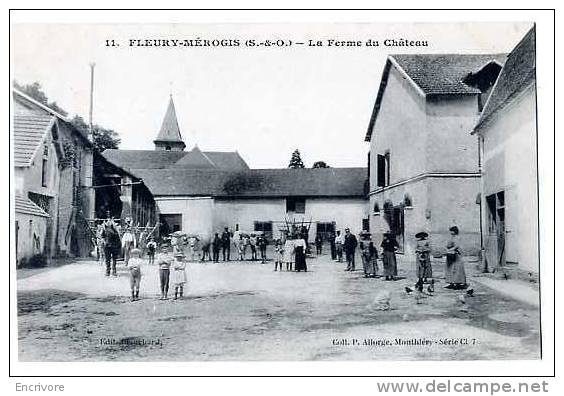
<point x="36" y="261"/>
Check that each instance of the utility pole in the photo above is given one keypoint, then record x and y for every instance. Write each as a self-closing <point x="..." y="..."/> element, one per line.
<point x="91" y="136"/>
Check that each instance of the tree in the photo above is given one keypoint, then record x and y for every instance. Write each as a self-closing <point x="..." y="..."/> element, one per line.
<point x="35" y="91"/>
<point x="296" y="160"/>
<point x="320" y="164"/>
<point x="102" y="138"/>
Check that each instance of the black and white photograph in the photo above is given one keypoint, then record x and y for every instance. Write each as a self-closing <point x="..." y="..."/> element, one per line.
<point x="260" y="192"/>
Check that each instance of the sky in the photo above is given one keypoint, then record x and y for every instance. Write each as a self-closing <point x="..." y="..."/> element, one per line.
<point x="263" y="102"/>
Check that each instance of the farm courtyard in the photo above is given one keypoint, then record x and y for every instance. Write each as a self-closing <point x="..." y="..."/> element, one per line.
<point x="246" y="311"/>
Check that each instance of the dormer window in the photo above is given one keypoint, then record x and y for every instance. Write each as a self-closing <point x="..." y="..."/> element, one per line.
<point x="484" y="80"/>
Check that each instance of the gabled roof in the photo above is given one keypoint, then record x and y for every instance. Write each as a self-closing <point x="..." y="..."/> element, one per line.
<point x="161" y="159"/>
<point x="170" y="131"/>
<point x="32" y="121"/>
<point x="254" y="183"/>
<point x="433" y="74"/>
<point x="194" y="159"/>
<point x="227" y="159"/>
<point x="29" y="132"/>
<point x="26" y="206"/>
<point x="517" y="74"/>
<point x="444" y="74"/>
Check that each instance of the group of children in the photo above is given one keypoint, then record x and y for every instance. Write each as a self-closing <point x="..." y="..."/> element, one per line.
<point x="172" y="269"/>
<point x="255" y="243"/>
<point x="290" y="251"/>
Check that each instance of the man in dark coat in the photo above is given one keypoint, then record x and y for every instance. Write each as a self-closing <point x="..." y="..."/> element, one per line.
<point x="332" y="244"/>
<point x="349" y="247"/>
<point x="226" y="244"/>
<point x="216" y="247"/>
<point x="112" y="246"/>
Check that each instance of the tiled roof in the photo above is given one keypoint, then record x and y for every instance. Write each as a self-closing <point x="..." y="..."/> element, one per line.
<point x="29" y="131"/>
<point x="26" y="206"/>
<point x="444" y="74"/>
<point x="194" y="159"/>
<point x="161" y="159"/>
<point x="517" y="74"/>
<point x="227" y="159"/>
<point x="143" y="159"/>
<point x="434" y="75"/>
<point x="31" y="122"/>
<point x="324" y="182"/>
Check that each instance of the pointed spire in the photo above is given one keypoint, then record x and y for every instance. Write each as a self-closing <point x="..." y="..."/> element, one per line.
<point x="169" y="137"/>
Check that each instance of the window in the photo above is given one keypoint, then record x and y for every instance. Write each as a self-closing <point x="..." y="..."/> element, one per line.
<point x="171" y="223"/>
<point x="44" y="166"/>
<point x="387" y="157"/>
<point x="325" y="230"/>
<point x="376" y="208"/>
<point x="383" y="168"/>
<point x="168" y="148"/>
<point x="44" y="172"/>
<point x="295" y="204"/>
<point x="366" y="224"/>
<point x="265" y="227"/>
<point x="407" y="201"/>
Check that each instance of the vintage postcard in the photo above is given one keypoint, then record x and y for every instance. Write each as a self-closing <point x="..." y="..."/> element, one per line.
<point x="194" y="192"/>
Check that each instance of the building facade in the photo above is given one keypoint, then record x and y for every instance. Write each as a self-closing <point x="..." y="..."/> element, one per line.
<point x="424" y="166"/>
<point x="52" y="173"/>
<point x="202" y="192"/>
<point x="508" y="131"/>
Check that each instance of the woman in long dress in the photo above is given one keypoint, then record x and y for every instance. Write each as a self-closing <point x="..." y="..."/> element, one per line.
<point x="455" y="275"/>
<point x="289" y="253"/>
<point x="389" y="246"/>
<point x="300" y="247"/>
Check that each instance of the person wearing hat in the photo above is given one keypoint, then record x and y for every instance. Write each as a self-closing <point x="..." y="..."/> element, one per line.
<point x="216" y="247"/>
<point x="112" y="245"/>
<point x="226" y="244"/>
<point x="339" y="241"/>
<point x="423" y="255"/>
<point x="389" y="246"/>
<point x="164" y="263"/>
<point x="135" y="273"/>
<point x="179" y="275"/>
<point x="349" y="246"/>
<point x="455" y="275"/>
<point x="128" y="242"/>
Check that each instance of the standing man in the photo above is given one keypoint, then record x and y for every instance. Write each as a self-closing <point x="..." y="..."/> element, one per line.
<point x="349" y="247"/>
<point x="339" y="241"/>
<point x="216" y="247"/>
<point x="332" y="245"/>
<point x="112" y="246"/>
<point x="226" y="244"/>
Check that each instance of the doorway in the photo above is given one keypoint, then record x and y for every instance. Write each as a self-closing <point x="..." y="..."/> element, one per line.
<point x="325" y="230"/>
<point x="395" y="217"/>
<point x="495" y="244"/>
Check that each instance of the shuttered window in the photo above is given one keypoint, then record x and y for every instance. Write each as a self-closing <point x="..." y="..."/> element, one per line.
<point x="381" y="169"/>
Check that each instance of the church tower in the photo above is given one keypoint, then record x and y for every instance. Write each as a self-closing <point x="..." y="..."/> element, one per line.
<point x="169" y="137"/>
